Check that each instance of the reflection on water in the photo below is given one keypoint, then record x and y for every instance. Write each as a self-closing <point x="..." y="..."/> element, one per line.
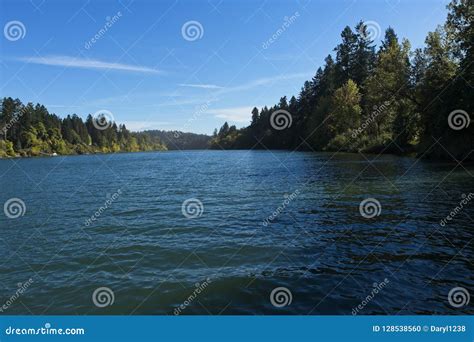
<point x="316" y="244"/>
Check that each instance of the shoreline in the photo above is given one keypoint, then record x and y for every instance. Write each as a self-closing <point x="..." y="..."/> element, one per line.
<point x="409" y="155"/>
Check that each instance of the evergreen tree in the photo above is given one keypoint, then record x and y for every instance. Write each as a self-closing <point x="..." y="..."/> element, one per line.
<point x="345" y="115"/>
<point x="254" y="116"/>
<point x="30" y="130"/>
<point x="435" y="93"/>
<point x="345" y="56"/>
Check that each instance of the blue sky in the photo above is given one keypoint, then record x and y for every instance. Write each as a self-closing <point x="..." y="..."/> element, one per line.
<point x="150" y="75"/>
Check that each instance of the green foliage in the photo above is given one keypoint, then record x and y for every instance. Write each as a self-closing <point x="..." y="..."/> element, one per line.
<point x="32" y="131"/>
<point x="346" y="109"/>
<point x="393" y="100"/>
<point x="177" y="140"/>
<point x="6" y="149"/>
<point x="341" y="142"/>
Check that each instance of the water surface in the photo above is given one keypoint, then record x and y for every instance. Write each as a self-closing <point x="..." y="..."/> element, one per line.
<point x="318" y="245"/>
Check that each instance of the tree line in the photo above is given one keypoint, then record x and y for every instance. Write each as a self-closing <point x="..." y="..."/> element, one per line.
<point x="177" y="140"/>
<point x="388" y="99"/>
<point x="30" y="130"/>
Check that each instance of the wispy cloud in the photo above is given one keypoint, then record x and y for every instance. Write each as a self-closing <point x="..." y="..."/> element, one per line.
<point x="236" y="114"/>
<point x="200" y="86"/>
<point x="60" y="106"/>
<point x="259" y="82"/>
<point x="243" y="114"/>
<point x="84" y="63"/>
<point x="266" y="80"/>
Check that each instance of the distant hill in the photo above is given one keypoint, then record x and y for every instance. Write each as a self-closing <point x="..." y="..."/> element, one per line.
<point x="30" y="130"/>
<point x="176" y="140"/>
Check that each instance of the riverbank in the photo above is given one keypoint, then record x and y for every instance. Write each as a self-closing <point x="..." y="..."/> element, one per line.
<point x="373" y="152"/>
<point x="90" y="151"/>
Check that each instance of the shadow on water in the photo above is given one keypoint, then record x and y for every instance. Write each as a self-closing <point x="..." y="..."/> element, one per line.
<point x="270" y="219"/>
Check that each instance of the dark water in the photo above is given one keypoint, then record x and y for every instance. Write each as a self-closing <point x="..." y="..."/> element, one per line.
<point x="319" y="246"/>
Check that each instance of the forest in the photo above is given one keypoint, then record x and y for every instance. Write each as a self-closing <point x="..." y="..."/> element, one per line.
<point x="30" y="130"/>
<point x="177" y="140"/>
<point x="388" y="99"/>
